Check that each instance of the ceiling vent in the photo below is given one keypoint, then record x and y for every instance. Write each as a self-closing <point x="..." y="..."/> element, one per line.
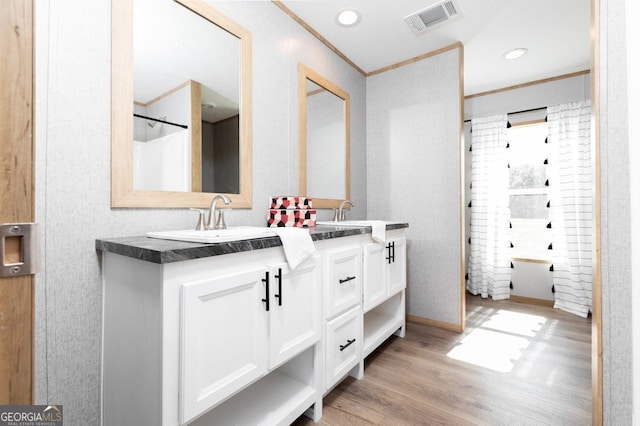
<point x="433" y="15"/>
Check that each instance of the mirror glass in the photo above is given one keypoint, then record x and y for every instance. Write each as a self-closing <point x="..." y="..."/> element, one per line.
<point x="324" y="140"/>
<point x="189" y="122"/>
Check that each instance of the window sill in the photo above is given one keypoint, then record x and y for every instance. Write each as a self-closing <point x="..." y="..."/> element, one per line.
<point x="532" y="260"/>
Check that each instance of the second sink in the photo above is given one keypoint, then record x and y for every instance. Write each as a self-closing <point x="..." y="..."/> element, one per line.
<point x="214" y="235"/>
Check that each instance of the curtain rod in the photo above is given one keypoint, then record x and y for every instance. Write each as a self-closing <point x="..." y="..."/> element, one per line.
<point x="519" y="112"/>
<point x="161" y="121"/>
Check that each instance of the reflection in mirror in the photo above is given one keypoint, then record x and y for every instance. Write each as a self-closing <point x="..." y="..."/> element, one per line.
<point x="169" y="65"/>
<point x="220" y="148"/>
<point x="325" y="143"/>
<point x="324" y="140"/>
<point x="189" y="80"/>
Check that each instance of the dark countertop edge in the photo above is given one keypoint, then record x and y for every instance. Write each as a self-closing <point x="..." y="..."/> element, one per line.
<point x="167" y="251"/>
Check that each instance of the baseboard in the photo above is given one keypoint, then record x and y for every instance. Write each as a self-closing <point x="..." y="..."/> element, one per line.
<point x="532" y="301"/>
<point x="440" y="324"/>
<point x="458" y="328"/>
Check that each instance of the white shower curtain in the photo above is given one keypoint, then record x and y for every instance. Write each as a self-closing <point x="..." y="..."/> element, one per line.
<point x="163" y="164"/>
<point x="489" y="270"/>
<point x="571" y="201"/>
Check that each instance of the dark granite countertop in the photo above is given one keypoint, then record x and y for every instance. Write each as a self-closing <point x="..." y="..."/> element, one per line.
<point x="166" y="251"/>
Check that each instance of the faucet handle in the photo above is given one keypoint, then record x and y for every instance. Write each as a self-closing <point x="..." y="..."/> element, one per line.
<point x="220" y="222"/>
<point x="200" y="224"/>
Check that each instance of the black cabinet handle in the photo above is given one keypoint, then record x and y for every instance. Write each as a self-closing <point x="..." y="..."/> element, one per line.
<point x="279" y="295"/>
<point x="349" y="342"/>
<point x="393" y="252"/>
<point x="346" y="279"/>
<point x="265" y="280"/>
<point x="391" y="247"/>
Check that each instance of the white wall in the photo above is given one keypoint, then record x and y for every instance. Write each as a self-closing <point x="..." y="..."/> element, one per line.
<point x="616" y="260"/>
<point x="536" y="96"/>
<point x="413" y="163"/>
<point x="72" y="84"/>
<point x="633" y="96"/>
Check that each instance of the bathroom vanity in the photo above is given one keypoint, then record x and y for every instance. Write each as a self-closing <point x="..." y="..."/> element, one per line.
<point x="227" y="333"/>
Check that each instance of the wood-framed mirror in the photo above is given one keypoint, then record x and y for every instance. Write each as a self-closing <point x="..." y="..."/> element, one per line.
<point x="178" y="66"/>
<point x="324" y="140"/>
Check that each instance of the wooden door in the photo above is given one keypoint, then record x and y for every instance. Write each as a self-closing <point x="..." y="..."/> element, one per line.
<point x="16" y="192"/>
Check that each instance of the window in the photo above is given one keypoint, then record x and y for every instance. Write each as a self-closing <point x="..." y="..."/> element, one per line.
<point x="528" y="192"/>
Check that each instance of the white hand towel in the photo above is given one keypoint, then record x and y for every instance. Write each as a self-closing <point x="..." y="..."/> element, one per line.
<point x="378" y="230"/>
<point x="297" y="244"/>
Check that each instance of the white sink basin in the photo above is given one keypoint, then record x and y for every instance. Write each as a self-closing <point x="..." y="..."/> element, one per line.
<point x="234" y="233"/>
<point x="378" y="227"/>
<point x="352" y="222"/>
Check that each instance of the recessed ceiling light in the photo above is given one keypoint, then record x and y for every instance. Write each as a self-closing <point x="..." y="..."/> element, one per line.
<point x="515" y="53"/>
<point x="348" y="17"/>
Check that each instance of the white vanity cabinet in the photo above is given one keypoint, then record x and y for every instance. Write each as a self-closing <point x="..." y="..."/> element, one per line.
<point x="383" y="289"/>
<point x="236" y="327"/>
<point x="223" y="339"/>
<point x="203" y="334"/>
<point x="396" y="264"/>
<point x="214" y="340"/>
<point x="294" y="313"/>
<point x="375" y="272"/>
<point x="384" y="270"/>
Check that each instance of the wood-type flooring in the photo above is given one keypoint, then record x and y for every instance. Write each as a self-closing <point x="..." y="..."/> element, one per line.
<point x="515" y="364"/>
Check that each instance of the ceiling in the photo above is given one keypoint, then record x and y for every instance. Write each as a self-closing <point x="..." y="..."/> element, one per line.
<point x="555" y="32"/>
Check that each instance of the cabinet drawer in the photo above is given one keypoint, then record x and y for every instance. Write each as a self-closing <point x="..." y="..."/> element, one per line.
<point x="343" y="280"/>
<point x="343" y="345"/>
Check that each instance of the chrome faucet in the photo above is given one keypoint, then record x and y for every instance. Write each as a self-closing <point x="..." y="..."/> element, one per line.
<point x="219" y="224"/>
<point x="340" y="213"/>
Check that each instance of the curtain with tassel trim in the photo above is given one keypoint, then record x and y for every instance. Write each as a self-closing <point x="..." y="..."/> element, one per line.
<point x="489" y="270"/>
<point x="571" y="211"/>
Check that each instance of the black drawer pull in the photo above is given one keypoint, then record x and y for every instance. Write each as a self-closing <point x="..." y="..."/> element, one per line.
<point x="342" y="281"/>
<point x="349" y="342"/>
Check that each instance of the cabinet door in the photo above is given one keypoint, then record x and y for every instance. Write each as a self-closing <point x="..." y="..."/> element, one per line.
<point x="343" y="345"/>
<point x="375" y="287"/>
<point x="223" y="333"/>
<point x="397" y="267"/>
<point x="343" y="280"/>
<point x="294" y="321"/>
